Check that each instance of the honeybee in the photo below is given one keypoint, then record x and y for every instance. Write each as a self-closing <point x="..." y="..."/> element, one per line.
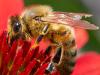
<point x="41" y="22"/>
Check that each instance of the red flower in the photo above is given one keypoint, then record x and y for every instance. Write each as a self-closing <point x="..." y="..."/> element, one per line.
<point x="81" y="37"/>
<point x="7" y="9"/>
<point x="88" y="64"/>
<point x="19" y="59"/>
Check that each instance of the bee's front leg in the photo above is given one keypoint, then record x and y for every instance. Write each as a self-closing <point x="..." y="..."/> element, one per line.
<point x="40" y="37"/>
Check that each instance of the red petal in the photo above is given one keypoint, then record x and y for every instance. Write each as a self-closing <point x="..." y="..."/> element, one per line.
<point x="8" y="8"/>
<point x="55" y="73"/>
<point x="4" y="45"/>
<point x="31" y="54"/>
<point x="16" y="66"/>
<point x="13" y="49"/>
<point x="26" y="47"/>
<point x="81" y="37"/>
<point x="28" y="69"/>
<point x="18" y="55"/>
<point x="41" y="70"/>
<point x="88" y="64"/>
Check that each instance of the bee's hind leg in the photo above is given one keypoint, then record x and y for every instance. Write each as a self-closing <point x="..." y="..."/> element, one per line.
<point x="55" y="60"/>
<point x="67" y="60"/>
<point x="63" y="59"/>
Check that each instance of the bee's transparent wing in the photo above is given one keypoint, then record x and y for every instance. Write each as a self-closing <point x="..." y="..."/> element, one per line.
<point x="74" y="14"/>
<point x="72" y="19"/>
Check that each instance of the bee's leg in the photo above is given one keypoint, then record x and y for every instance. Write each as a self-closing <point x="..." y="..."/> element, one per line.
<point x="49" y="68"/>
<point x="55" y="60"/>
<point x="67" y="60"/>
<point x="39" y="38"/>
<point x="63" y="59"/>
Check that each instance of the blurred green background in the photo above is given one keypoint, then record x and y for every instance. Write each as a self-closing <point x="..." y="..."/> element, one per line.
<point x="72" y="6"/>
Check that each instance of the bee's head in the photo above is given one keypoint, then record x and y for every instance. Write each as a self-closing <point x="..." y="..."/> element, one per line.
<point x="15" y="24"/>
<point x="14" y="28"/>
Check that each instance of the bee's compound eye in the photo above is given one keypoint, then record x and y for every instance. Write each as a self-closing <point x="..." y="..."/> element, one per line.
<point x="16" y="27"/>
<point x="15" y="23"/>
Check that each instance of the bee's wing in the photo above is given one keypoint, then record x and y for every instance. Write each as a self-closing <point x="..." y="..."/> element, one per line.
<point x="74" y="14"/>
<point x="71" y="19"/>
